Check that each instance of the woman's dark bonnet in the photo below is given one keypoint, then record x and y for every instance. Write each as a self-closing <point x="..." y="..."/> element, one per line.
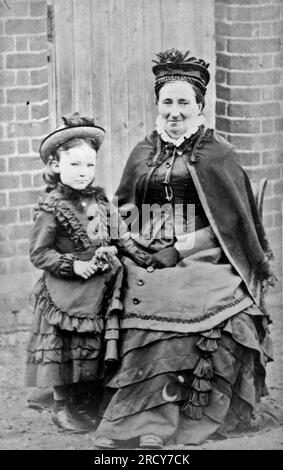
<point x="173" y="65"/>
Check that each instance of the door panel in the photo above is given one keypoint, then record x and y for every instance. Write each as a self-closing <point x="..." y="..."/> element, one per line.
<point x="102" y="64"/>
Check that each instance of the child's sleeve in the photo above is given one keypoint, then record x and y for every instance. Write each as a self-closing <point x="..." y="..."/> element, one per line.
<point x="42" y="243"/>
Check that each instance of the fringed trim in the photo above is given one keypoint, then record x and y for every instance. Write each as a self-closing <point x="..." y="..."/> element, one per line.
<point x="265" y="279"/>
<point x="154" y="155"/>
<point x="193" y="412"/>
<point x="82" y="323"/>
<point x="212" y="334"/>
<point x="204" y="368"/>
<point x="207" y="137"/>
<point x="203" y="138"/>
<point x="194" y="157"/>
<point x="269" y="253"/>
<point x="197" y="399"/>
<point x="201" y="386"/>
<point x="208" y="345"/>
<point x="264" y="273"/>
<point x="271" y="281"/>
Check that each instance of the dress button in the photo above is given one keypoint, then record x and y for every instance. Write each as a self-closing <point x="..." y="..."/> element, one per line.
<point x="136" y="301"/>
<point x="140" y="282"/>
<point x="150" y="269"/>
<point x="168" y="165"/>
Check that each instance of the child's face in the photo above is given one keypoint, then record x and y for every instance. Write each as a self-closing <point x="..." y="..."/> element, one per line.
<point x="77" y="166"/>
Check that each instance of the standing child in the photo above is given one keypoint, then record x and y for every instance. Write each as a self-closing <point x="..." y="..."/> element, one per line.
<point x="77" y="299"/>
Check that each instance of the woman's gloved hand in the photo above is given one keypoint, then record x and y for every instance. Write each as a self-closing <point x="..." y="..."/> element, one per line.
<point x="166" y="258"/>
<point x="127" y="247"/>
<point x="142" y="258"/>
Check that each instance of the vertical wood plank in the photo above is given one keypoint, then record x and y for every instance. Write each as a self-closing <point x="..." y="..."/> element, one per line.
<point x="103" y="63"/>
<point x="101" y="86"/>
<point x="119" y="85"/>
<point x="52" y="88"/>
<point x="206" y="50"/>
<point x="188" y="24"/>
<point x="153" y="44"/>
<point x="173" y="13"/>
<point x="136" y="82"/>
<point x="82" y="56"/>
<point x="63" y="13"/>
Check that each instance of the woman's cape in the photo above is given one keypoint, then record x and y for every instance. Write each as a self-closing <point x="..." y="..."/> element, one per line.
<point x="225" y="192"/>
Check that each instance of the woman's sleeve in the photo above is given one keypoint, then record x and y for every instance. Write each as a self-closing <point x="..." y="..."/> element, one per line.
<point x="42" y="252"/>
<point x="121" y="237"/>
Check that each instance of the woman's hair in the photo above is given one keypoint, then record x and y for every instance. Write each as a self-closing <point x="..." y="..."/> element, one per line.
<point x="49" y="176"/>
<point x="198" y="94"/>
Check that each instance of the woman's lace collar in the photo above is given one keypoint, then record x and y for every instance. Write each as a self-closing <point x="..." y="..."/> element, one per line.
<point x="195" y="124"/>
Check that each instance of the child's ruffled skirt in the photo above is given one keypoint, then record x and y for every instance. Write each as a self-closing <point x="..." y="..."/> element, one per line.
<point x="66" y="345"/>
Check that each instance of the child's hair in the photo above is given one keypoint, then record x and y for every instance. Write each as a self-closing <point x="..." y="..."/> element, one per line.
<point x="49" y="176"/>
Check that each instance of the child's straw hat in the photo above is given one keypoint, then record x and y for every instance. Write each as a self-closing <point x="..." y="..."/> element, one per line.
<point x="75" y="126"/>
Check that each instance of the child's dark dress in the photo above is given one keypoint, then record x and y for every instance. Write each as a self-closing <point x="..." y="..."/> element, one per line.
<point x="71" y="315"/>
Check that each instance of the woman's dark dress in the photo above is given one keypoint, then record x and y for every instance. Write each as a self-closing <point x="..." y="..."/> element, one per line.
<point x="194" y="345"/>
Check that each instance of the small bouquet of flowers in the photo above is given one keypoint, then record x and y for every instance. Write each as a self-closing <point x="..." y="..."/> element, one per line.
<point x="103" y="258"/>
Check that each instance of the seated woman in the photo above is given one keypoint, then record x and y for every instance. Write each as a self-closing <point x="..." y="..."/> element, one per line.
<point x="195" y="339"/>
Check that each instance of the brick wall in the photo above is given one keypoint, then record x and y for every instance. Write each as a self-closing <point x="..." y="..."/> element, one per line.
<point x="23" y="120"/>
<point x="248" y="113"/>
<point x="249" y="105"/>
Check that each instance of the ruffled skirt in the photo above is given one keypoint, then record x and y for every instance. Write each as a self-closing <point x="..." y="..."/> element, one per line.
<point x="72" y="322"/>
<point x="187" y="387"/>
<point x="60" y="357"/>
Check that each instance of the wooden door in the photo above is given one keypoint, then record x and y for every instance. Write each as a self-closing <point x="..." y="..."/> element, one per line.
<point x="101" y="54"/>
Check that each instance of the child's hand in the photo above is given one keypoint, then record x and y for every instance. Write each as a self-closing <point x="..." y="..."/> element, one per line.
<point x="84" y="269"/>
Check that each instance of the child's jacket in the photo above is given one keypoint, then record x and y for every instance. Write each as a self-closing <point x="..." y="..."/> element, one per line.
<point x="70" y="225"/>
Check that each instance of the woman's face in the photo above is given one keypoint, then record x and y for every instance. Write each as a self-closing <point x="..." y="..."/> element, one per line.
<point x="76" y="166"/>
<point x="177" y="106"/>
